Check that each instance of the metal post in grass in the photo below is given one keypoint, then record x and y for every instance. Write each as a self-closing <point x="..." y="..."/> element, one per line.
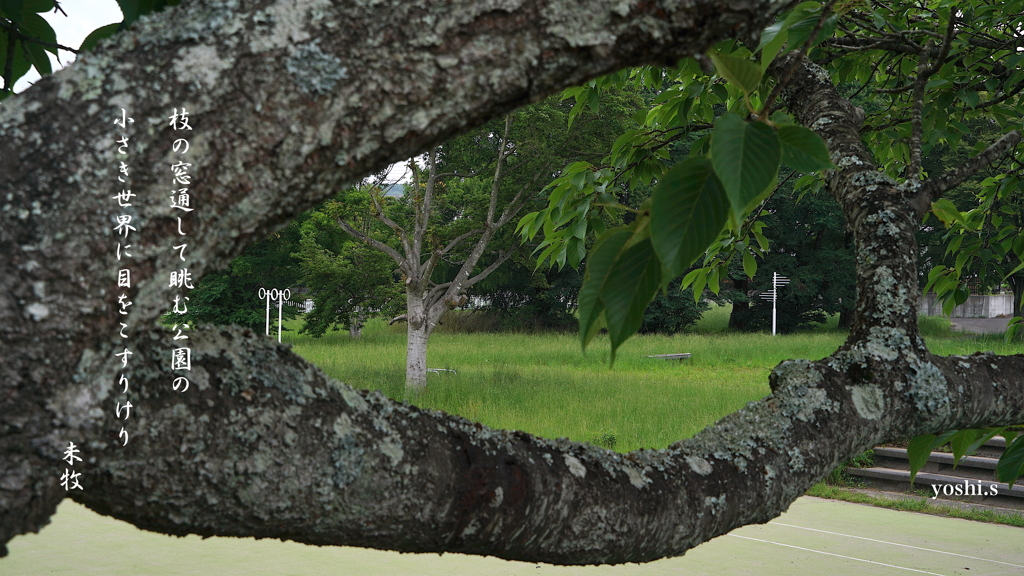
<point x="777" y="281"/>
<point x="280" y="296"/>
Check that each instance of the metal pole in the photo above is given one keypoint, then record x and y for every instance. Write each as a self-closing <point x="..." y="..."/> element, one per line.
<point x="775" y="296"/>
<point x="279" y="302"/>
<point x="264" y="293"/>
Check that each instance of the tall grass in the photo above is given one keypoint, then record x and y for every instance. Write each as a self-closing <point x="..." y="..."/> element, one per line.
<point x="543" y="384"/>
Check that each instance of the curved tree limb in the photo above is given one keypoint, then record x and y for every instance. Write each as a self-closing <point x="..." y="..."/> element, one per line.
<point x="289" y="101"/>
<point x="933" y="188"/>
<point x="264" y="444"/>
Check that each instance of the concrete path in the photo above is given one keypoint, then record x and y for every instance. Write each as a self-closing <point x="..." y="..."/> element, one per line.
<point x="815" y="537"/>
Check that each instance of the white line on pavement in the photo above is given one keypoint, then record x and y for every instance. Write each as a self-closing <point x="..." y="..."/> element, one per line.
<point x="836" y="555"/>
<point x="898" y="544"/>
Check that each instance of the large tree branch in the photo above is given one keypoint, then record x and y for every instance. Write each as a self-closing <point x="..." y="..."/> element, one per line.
<point x="483" y="274"/>
<point x="492" y="201"/>
<point x="933" y="188"/>
<point x="330" y="92"/>
<point x="436" y="255"/>
<point x="289" y="101"/>
<point x="398" y="258"/>
<point x="311" y="460"/>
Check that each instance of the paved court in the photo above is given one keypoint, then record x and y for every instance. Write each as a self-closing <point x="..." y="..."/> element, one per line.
<point x="815" y="537"/>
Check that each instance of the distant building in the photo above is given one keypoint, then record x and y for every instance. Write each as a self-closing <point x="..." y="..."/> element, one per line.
<point x="394" y="189"/>
<point x="977" y="306"/>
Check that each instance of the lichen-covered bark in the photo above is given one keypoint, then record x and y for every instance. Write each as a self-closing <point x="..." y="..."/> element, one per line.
<point x="289" y="100"/>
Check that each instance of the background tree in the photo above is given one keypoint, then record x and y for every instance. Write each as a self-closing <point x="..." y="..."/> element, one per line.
<point x="525" y="296"/>
<point x="808" y="244"/>
<point x="269" y="447"/>
<point x="978" y="238"/>
<point x="672" y="311"/>
<point x="436" y="232"/>
<point x="348" y="281"/>
<point x="232" y="296"/>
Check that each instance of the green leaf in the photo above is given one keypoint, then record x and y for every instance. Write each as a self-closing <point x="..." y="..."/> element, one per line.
<point x="37" y="6"/>
<point x="746" y="159"/>
<point x="130" y="9"/>
<point x="800" y="31"/>
<point x="713" y="284"/>
<point x="803" y="150"/>
<point x="599" y="264"/>
<point x="690" y="208"/>
<point x="1014" y="271"/>
<point x="98" y="35"/>
<point x="1013" y="328"/>
<point x="720" y="91"/>
<point x="699" y="282"/>
<point x="969" y="97"/>
<point x="920" y="448"/>
<point x="947" y="212"/>
<point x="960" y="442"/>
<point x="984" y="436"/>
<point x="37" y="57"/>
<point x="780" y="117"/>
<point x="749" y="265"/>
<point x="746" y="75"/>
<point x="918" y="451"/>
<point x="13" y="9"/>
<point x="1011" y="463"/>
<point x="37" y="27"/>
<point x="772" y="41"/>
<point x="631" y="285"/>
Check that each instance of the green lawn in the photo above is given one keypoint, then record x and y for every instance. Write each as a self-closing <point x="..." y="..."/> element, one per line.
<point x="543" y="384"/>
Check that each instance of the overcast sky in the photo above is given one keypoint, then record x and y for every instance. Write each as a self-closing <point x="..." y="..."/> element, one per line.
<point x="83" y="16"/>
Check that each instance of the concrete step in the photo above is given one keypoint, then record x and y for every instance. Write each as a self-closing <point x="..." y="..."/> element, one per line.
<point x="970" y="490"/>
<point x="976" y="467"/>
<point x="974" y="476"/>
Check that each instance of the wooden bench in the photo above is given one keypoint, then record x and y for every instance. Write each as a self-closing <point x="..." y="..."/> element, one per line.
<point x="680" y="357"/>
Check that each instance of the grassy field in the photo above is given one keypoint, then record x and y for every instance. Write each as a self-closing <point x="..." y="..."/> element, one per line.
<point x="543" y="384"/>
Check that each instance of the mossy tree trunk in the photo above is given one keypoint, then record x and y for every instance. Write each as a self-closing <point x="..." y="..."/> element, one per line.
<point x="263" y="444"/>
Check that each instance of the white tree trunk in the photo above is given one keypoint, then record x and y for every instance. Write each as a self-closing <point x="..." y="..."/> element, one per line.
<point x="418" y="329"/>
<point x="355" y="323"/>
<point x="416" y="360"/>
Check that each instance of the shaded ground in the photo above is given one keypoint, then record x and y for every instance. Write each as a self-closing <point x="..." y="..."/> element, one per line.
<point x="815" y="537"/>
<point x="980" y="325"/>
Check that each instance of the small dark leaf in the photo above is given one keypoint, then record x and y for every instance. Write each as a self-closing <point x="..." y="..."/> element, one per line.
<point x="917" y="453"/>
<point x="1011" y="463"/>
<point x="690" y="208"/>
<point x="599" y="263"/>
<point x="98" y="35"/>
<point x="37" y="27"/>
<point x="746" y="159"/>
<point x="803" y="150"/>
<point x="13" y="9"/>
<point x="37" y="57"/>
<point x="631" y="285"/>
<point x="745" y="74"/>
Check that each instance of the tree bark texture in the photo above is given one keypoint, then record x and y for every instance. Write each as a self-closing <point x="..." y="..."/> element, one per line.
<point x="291" y="99"/>
<point x="417" y="335"/>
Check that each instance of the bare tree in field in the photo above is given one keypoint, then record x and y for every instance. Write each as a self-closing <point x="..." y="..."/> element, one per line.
<point x="291" y="99"/>
<point x="427" y="301"/>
